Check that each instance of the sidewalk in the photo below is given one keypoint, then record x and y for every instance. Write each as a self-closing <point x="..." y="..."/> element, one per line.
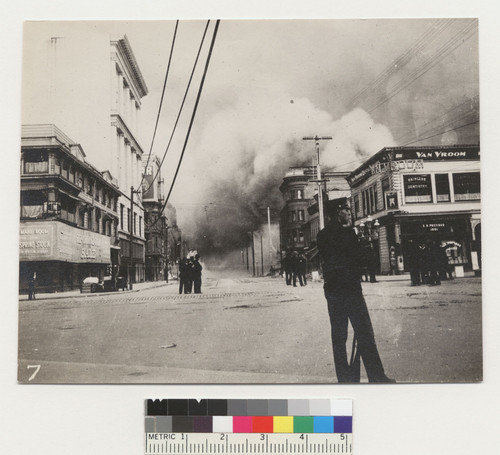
<point x="77" y="294"/>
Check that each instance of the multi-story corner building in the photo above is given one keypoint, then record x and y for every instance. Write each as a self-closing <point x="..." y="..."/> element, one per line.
<point x="299" y="220"/>
<point x="91" y="86"/>
<point x="417" y="195"/>
<point x="127" y="89"/>
<point x="69" y="219"/>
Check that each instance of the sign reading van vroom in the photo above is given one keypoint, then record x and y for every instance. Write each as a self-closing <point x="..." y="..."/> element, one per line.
<point x="56" y="241"/>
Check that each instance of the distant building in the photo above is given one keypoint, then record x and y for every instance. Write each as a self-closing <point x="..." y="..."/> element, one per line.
<point x="418" y="195"/>
<point x="69" y="219"/>
<point x="163" y="238"/>
<point x="299" y="219"/>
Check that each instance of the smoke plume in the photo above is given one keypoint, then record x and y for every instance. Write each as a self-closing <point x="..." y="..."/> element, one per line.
<point x="247" y="146"/>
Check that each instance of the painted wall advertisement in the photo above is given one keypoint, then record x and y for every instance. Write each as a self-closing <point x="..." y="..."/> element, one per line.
<point x="56" y="241"/>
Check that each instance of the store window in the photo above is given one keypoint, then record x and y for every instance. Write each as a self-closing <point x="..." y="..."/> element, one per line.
<point x="467" y="186"/>
<point x="356" y="206"/>
<point x="442" y="188"/>
<point x="418" y="188"/>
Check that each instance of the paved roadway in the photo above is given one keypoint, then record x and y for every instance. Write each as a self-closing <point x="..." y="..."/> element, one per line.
<point x="246" y="330"/>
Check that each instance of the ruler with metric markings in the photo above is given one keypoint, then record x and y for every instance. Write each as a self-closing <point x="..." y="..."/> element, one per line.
<point x="248" y="443"/>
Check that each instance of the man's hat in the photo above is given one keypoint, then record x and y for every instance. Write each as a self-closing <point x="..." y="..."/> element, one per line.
<point x="335" y="205"/>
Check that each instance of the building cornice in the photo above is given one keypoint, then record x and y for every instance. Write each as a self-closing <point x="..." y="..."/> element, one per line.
<point x="117" y="122"/>
<point x="125" y="50"/>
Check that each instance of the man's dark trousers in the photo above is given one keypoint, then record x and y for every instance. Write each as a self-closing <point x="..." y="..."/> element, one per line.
<point x="346" y="305"/>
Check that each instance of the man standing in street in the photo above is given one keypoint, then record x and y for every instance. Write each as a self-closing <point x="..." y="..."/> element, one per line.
<point x="342" y="260"/>
<point x="197" y="268"/>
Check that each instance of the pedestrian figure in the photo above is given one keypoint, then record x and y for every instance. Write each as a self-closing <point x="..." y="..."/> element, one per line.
<point x="342" y="259"/>
<point x="183" y="275"/>
<point x="197" y="268"/>
<point x="434" y="263"/>
<point x="369" y="261"/>
<point x="294" y="268"/>
<point x="302" y="269"/>
<point x="412" y="260"/>
<point x="445" y="272"/>
<point x="188" y="280"/>
<point x="32" y="287"/>
<point x="287" y="268"/>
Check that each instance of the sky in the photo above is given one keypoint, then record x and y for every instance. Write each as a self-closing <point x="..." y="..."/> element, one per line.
<point x="367" y="83"/>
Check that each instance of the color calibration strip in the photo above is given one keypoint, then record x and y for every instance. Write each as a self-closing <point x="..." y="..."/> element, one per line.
<point x="248" y="416"/>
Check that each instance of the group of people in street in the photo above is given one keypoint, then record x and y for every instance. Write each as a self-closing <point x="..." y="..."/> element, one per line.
<point x="190" y="274"/>
<point x="428" y="263"/>
<point x="294" y="266"/>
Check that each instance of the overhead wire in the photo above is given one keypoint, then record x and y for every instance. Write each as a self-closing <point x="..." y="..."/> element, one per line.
<point x="457" y="40"/>
<point x="195" y="108"/>
<point x="160" y="106"/>
<point x="440" y="133"/>
<point x="180" y="108"/>
<point x="473" y="101"/>
<point x="429" y="35"/>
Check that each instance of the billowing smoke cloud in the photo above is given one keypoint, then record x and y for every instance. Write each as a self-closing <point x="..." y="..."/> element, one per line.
<point x="247" y="146"/>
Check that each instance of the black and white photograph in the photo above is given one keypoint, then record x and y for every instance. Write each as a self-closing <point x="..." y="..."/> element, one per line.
<point x="250" y="202"/>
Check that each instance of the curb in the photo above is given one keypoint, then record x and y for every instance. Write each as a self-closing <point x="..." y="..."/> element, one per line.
<point x="61" y="295"/>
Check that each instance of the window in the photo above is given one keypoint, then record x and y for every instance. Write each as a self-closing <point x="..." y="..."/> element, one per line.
<point x="356" y="205"/>
<point x="291" y="216"/>
<point x="135" y="223"/>
<point x="36" y="162"/>
<point x="79" y="179"/>
<point x="371" y="192"/>
<point x="64" y="171"/>
<point x="32" y="203"/>
<point x="140" y="226"/>
<point x="442" y="188"/>
<point x="129" y="221"/>
<point x="301" y="215"/>
<point x="121" y="215"/>
<point x="56" y="165"/>
<point x="300" y="194"/>
<point x="418" y="188"/>
<point x="467" y="186"/>
<point x="386" y="187"/>
<point x="301" y="236"/>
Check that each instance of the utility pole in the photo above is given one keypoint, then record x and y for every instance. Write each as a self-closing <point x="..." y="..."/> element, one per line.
<point x="253" y="256"/>
<point x="270" y="240"/>
<point x="261" y="256"/>
<point x="318" y="177"/>
<point x="166" y="248"/>
<point x="131" y="233"/>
